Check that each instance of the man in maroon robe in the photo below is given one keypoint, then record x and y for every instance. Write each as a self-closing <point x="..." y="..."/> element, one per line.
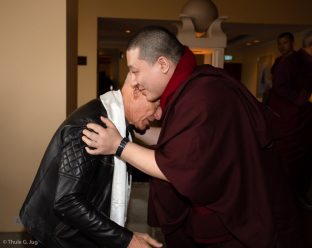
<point x="292" y="123"/>
<point x="285" y="45"/>
<point x="213" y="160"/>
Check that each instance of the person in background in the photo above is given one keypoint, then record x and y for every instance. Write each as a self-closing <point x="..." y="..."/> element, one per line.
<point x="285" y="45"/>
<point x="70" y="203"/>
<point x="217" y="181"/>
<point x="291" y="101"/>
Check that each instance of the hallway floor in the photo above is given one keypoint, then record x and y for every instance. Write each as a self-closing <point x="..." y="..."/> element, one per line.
<point x="137" y="212"/>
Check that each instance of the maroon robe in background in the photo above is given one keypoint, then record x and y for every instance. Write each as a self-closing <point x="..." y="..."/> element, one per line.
<point x="292" y="124"/>
<point x="214" y="149"/>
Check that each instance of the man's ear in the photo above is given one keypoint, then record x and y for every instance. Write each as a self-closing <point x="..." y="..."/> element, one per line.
<point x="164" y="64"/>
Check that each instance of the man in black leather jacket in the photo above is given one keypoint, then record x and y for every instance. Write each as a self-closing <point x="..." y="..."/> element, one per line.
<point x="68" y="204"/>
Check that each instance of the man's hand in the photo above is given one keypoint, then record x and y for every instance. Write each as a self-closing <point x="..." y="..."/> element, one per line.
<point x="105" y="141"/>
<point x="101" y="140"/>
<point x="143" y="240"/>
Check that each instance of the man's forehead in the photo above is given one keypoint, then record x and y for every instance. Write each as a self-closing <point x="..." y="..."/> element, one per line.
<point x="133" y="53"/>
<point x="134" y="63"/>
<point x="132" y="58"/>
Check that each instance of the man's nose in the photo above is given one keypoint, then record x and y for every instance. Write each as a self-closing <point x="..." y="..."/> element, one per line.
<point x="158" y="113"/>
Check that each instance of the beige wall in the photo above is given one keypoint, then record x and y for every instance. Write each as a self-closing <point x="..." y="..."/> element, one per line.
<point x="32" y="95"/>
<point x="266" y="11"/>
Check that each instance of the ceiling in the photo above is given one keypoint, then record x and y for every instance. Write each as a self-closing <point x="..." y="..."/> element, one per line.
<point x="111" y="32"/>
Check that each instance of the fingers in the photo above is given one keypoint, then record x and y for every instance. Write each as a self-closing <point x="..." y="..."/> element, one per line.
<point x="92" y="151"/>
<point x="90" y="138"/>
<point x="101" y="140"/>
<point x="107" y="122"/>
<point x="94" y="127"/>
<point x="148" y="239"/>
<point x="98" y="128"/>
<point x="89" y="142"/>
<point x="91" y="135"/>
<point x="152" y="242"/>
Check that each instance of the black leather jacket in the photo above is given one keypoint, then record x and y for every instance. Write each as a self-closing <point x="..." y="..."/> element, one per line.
<point x="68" y="203"/>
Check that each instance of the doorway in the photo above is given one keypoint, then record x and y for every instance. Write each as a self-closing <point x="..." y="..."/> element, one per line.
<point x="234" y="69"/>
<point x="107" y="70"/>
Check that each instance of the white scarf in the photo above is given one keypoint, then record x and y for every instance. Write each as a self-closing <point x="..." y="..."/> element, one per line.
<point x="121" y="187"/>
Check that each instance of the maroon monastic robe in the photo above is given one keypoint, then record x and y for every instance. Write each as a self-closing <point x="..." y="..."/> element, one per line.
<point x="292" y="123"/>
<point x="215" y="150"/>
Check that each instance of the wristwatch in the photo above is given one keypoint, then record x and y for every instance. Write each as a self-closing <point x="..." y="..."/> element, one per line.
<point x="121" y="147"/>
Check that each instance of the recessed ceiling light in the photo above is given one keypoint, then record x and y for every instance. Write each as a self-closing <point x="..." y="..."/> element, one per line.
<point x="128" y="31"/>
